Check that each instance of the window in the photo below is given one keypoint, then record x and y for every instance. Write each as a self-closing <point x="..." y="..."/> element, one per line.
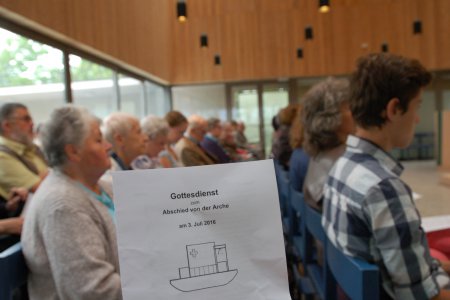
<point x="204" y="100"/>
<point x="157" y="99"/>
<point x="92" y="86"/>
<point x="275" y="97"/>
<point x="31" y="73"/>
<point x="131" y="95"/>
<point x="246" y="109"/>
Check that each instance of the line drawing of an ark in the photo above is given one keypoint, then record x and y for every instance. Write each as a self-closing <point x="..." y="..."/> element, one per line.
<point x="207" y="268"/>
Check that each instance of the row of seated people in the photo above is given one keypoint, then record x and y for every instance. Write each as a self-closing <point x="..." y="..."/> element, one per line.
<point x="342" y="134"/>
<point x="79" y="155"/>
<point x="172" y="141"/>
<point x="69" y="238"/>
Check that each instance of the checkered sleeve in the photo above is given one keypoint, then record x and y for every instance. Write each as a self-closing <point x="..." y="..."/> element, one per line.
<point x="400" y="240"/>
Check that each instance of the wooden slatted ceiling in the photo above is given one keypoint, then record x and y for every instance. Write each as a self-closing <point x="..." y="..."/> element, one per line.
<point x="136" y="32"/>
<point x="259" y="38"/>
<point x="256" y="39"/>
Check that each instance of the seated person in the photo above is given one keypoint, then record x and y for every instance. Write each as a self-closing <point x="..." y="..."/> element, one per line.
<point x="188" y="148"/>
<point x="228" y="142"/>
<point x="298" y="163"/>
<point x="177" y="126"/>
<point x="211" y="143"/>
<point x="242" y="141"/>
<point x="281" y="149"/>
<point x="327" y="122"/>
<point x="368" y="211"/>
<point x="21" y="162"/>
<point x="239" y="134"/>
<point x="124" y="133"/>
<point x="69" y="238"/>
<point x="156" y="129"/>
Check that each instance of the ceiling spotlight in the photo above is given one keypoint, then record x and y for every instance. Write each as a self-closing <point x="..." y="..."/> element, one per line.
<point x="181" y="11"/>
<point x="203" y="41"/>
<point x="324" y="6"/>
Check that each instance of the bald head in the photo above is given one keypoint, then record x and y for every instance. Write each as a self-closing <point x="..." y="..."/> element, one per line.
<point x="197" y="127"/>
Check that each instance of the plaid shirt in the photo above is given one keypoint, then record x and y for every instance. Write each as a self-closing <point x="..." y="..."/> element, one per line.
<point x="369" y="213"/>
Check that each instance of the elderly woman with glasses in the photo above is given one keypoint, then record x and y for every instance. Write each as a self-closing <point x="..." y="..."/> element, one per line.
<point x="69" y="238"/>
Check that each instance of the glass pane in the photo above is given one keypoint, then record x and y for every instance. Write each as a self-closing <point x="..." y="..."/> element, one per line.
<point x="157" y="99"/>
<point x="275" y="97"/>
<point x="31" y="74"/>
<point x="245" y="109"/>
<point x="446" y="100"/>
<point x="205" y="100"/>
<point x="304" y="84"/>
<point x="92" y="86"/>
<point x="427" y="112"/>
<point x="131" y="95"/>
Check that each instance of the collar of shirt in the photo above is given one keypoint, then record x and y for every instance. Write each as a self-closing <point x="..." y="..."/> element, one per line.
<point x="193" y="140"/>
<point x="119" y="161"/>
<point x="103" y="198"/>
<point x="211" y="137"/>
<point x="359" y="145"/>
<point x="17" y="147"/>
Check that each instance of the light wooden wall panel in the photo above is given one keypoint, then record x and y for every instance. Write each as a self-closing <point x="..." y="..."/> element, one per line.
<point x="256" y="39"/>
<point x="442" y="31"/>
<point x="445" y="136"/>
<point x="136" y="32"/>
<point x="259" y="38"/>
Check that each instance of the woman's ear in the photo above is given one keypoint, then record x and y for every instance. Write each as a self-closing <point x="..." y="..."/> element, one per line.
<point x="72" y="153"/>
<point x="118" y="139"/>
<point x="393" y="109"/>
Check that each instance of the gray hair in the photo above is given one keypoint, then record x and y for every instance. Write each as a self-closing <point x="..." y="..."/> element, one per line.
<point x="196" y="121"/>
<point x="154" y="126"/>
<point x="117" y="123"/>
<point x="321" y="114"/>
<point x="7" y="110"/>
<point x="213" y="122"/>
<point x="67" y="125"/>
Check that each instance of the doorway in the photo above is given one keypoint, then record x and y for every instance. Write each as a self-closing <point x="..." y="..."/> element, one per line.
<point x="256" y="105"/>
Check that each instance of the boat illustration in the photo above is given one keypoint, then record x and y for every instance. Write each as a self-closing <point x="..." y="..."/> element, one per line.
<point x="207" y="268"/>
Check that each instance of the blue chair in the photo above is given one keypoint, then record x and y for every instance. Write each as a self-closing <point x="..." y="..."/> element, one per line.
<point x="13" y="271"/>
<point x="283" y="195"/>
<point x="296" y="202"/>
<point x="318" y="273"/>
<point x="357" y="278"/>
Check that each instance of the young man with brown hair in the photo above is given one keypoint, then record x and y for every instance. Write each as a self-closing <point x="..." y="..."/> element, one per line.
<point x="368" y="210"/>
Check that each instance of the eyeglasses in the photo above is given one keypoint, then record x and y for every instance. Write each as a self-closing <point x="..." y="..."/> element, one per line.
<point x="26" y="118"/>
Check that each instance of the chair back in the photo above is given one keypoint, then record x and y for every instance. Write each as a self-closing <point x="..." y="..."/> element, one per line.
<point x="357" y="278"/>
<point x="283" y="195"/>
<point x="315" y="258"/>
<point x="314" y="223"/>
<point x="298" y="225"/>
<point x="282" y="184"/>
<point x="13" y="271"/>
